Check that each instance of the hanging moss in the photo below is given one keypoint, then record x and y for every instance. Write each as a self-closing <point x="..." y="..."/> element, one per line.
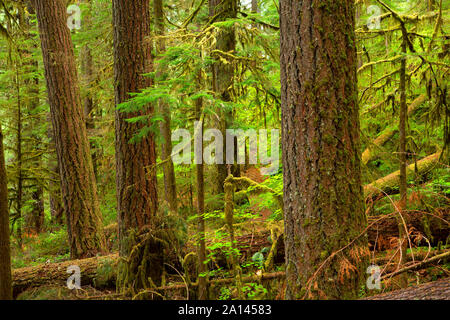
<point x="143" y="269"/>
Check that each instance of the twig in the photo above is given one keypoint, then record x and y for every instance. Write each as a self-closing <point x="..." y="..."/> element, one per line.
<point x="418" y="265"/>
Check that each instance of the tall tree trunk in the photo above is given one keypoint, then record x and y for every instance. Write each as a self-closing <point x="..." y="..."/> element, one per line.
<point x="5" y="250"/>
<point x="79" y="190"/>
<point x="19" y="160"/>
<point x="88" y="103"/>
<point x="223" y="76"/>
<point x="37" y="211"/>
<point x="254" y="6"/>
<point x="137" y="199"/>
<point x="37" y="207"/>
<point x="402" y="157"/>
<point x="201" y="228"/>
<point x="323" y="195"/>
<point x="54" y="187"/>
<point x="87" y="72"/>
<point x="170" y="191"/>
<point x="35" y="218"/>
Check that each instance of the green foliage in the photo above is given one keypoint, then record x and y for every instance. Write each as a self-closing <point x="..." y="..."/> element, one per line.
<point x="106" y="274"/>
<point x="225" y="293"/>
<point x="255" y="291"/>
<point x="258" y="257"/>
<point x="441" y="181"/>
<point x="182" y="77"/>
<point x="48" y="246"/>
<point x="50" y="292"/>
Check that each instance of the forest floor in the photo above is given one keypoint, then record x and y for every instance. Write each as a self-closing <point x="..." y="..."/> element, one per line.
<point x="46" y="257"/>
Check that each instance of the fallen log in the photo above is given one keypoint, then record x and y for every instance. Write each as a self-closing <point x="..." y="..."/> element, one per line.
<point x="99" y="271"/>
<point x="212" y="284"/>
<point x="391" y="181"/>
<point x="371" y="152"/>
<point x="436" y="228"/>
<point x="437" y="290"/>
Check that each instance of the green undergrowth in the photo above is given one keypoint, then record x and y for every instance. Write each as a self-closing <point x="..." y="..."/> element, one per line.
<point x="51" y="246"/>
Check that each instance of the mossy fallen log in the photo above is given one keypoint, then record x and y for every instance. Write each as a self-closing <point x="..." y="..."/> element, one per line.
<point x="371" y="152"/>
<point x="436" y="228"/>
<point x="391" y="181"/>
<point x="214" y="285"/>
<point x="98" y="271"/>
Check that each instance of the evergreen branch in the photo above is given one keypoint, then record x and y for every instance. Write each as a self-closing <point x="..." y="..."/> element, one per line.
<point x="193" y="15"/>
<point x="264" y="24"/>
<point x="367" y="65"/>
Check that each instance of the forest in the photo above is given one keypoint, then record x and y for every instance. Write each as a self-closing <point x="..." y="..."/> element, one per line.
<point x="224" y="150"/>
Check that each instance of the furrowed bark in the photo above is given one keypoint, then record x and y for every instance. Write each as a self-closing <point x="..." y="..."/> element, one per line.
<point x="437" y="290"/>
<point x="323" y="196"/>
<point x="140" y="238"/>
<point x="5" y="250"/>
<point x="79" y="190"/>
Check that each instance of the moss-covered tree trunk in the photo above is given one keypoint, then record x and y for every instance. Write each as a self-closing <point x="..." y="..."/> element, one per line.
<point x="34" y="220"/>
<point x="87" y="76"/>
<point x="222" y="76"/>
<point x="37" y="214"/>
<point x="137" y="200"/>
<point x="201" y="226"/>
<point x="254" y="6"/>
<point x="54" y="187"/>
<point x="170" y="190"/>
<point x="87" y="70"/>
<point x="323" y="195"/>
<point x="79" y="190"/>
<point x="403" y="280"/>
<point x="5" y="252"/>
<point x="19" y="162"/>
